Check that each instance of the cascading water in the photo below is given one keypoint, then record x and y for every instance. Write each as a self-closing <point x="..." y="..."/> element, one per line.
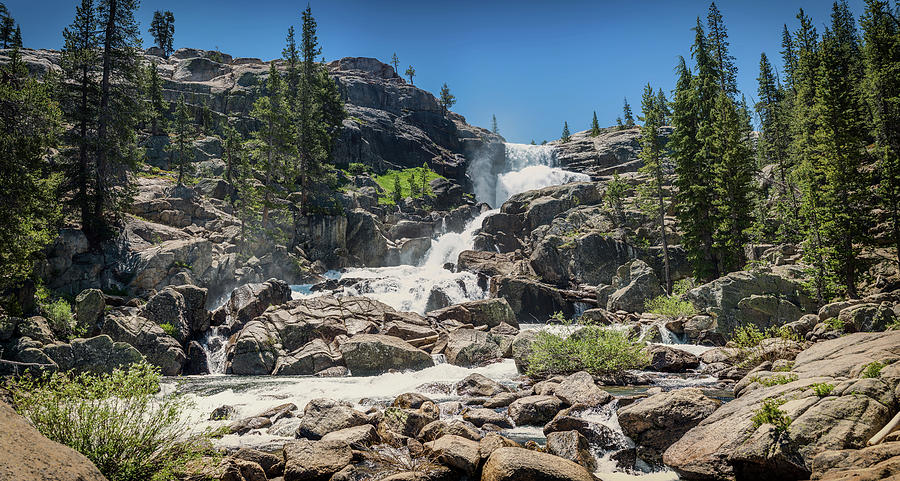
<point x="426" y="285"/>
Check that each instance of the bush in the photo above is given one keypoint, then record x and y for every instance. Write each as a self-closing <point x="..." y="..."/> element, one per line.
<point x="116" y="420"/>
<point x="822" y="389"/>
<point x="168" y="328"/>
<point x="769" y="413"/>
<point x="595" y="349"/>
<point x="834" y="324"/>
<point x="58" y="311"/>
<point x="749" y="336"/>
<point x="670" y="307"/>
<point x="873" y="369"/>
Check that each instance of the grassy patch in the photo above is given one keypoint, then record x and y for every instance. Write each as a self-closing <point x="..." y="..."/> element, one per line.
<point x="597" y="350"/>
<point x="822" y="389"/>
<point x="769" y="413"/>
<point x="408" y="181"/>
<point x="670" y="307"/>
<point x="116" y="420"/>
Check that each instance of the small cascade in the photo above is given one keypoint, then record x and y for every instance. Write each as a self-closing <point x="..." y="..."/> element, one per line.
<point x="214" y="343"/>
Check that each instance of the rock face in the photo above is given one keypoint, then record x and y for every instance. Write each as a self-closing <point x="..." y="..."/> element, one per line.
<point x="727" y="444"/>
<point x="28" y="455"/>
<point x="657" y="422"/>
<point x="763" y="297"/>
<point x="517" y="464"/>
<point x="373" y="354"/>
<point x="637" y="284"/>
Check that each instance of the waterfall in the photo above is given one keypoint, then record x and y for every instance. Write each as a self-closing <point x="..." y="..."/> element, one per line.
<point x="214" y="344"/>
<point x="424" y="285"/>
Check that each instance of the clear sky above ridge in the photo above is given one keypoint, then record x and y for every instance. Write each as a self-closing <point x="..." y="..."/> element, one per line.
<point x="534" y="64"/>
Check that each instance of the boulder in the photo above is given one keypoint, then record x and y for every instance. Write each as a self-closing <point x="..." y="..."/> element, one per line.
<point x="871" y="463"/>
<point x="731" y="298"/>
<point x="530" y="299"/>
<point x="28" y="455"/>
<point x="728" y="444"/>
<point x="436" y="429"/>
<point x="410" y="400"/>
<point x="357" y="437"/>
<point x="89" y="308"/>
<point x="149" y="339"/>
<point x="168" y="308"/>
<point x="323" y="416"/>
<point x="313" y="357"/>
<point x="521" y="349"/>
<point x="469" y="348"/>
<point x="656" y="422"/>
<point x="479" y="385"/>
<point x="481" y="416"/>
<point x="99" y="355"/>
<point x="665" y="358"/>
<point x="579" y="388"/>
<point x="518" y="464"/>
<point x="637" y="284"/>
<point x="534" y="410"/>
<point x="373" y="354"/>
<point x="491" y="312"/>
<point x="573" y="446"/>
<point x="306" y="460"/>
<point x="271" y="464"/>
<point x="406" y="423"/>
<point x="457" y="452"/>
<point x="251" y="300"/>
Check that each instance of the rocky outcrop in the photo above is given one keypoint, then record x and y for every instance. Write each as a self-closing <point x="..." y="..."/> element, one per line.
<point x="831" y="397"/>
<point x="763" y="297"/>
<point x="635" y="284"/>
<point x="655" y="423"/>
<point x="372" y="354"/>
<point x="28" y="455"/>
<point x="517" y="464"/>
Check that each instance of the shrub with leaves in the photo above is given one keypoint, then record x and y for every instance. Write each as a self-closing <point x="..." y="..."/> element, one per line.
<point x="597" y="350"/>
<point x="776" y="380"/>
<point x="57" y="310"/>
<point x="873" y="369"/>
<point x="822" y="389"/>
<point x="670" y="307"/>
<point x="116" y="420"/>
<point x="769" y="413"/>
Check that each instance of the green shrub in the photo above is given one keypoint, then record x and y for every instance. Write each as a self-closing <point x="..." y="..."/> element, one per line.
<point x="357" y="168"/>
<point x="873" y="369"/>
<point x="769" y="413"/>
<point x="670" y="307"/>
<point x="786" y="368"/>
<point x="57" y="310"/>
<point x="595" y="349"/>
<point x="834" y="324"/>
<point x="747" y="336"/>
<point x="168" y="328"/>
<point x="822" y="389"/>
<point x="680" y="287"/>
<point x="117" y="420"/>
<point x="776" y="380"/>
<point x="396" y="183"/>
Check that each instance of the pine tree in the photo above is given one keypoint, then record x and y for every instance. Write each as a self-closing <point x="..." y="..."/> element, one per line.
<point x="619" y="124"/>
<point x="121" y="109"/>
<point x="29" y="127"/>
<point x="628" y="116"/>
<point x="882" y="61"/>
<point x="565" y="133"/>
<point x="397" y="192"/>
<point x="410" y="72"/>
<point x="773" y="147"/>
<point x="788" y="57"/>
<point x="841" y="135"/>
<point x="414" y="186"/>
<point x="395" y="61"/>
<point x="245" y="197"/>
<point x="273" y="140"/>
<point x="7" y="27"/>
<point x="162" y="28"/>
<point x="651" y="192"/>
<point x="494" y="127"/>
<point x="662" y="104"/>
<point x="233" y="150"/>
<point x="158" y="107"/>
<point x="718" y="47"/>
<point x="79" y="96"/>
<point x="595" y="126"/>
<point x="447" y="99"/>
<point x="291" y="57"/>
<point x="181" y="147"/>
<point x="16" y="41"/>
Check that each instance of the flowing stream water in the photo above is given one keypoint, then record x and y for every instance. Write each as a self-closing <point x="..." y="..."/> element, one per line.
<point x="407" y="288"/>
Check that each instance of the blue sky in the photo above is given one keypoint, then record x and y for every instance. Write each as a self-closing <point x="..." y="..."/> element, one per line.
<point x="532" y="64"/>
